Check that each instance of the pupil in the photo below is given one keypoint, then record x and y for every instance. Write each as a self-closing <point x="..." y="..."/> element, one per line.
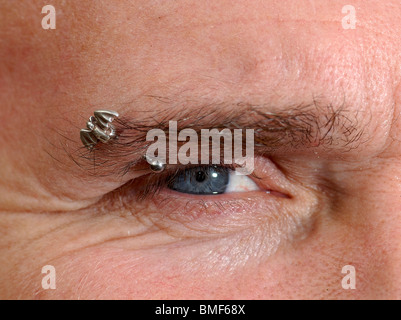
<point x="202" y="180"/>
<point x="200" y="176"/>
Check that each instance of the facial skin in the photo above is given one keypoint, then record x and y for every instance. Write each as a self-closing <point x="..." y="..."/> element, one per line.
<point x="146" y="58"/>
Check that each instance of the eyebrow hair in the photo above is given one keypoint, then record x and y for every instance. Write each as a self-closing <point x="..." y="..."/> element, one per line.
<point x="302" y="126"/>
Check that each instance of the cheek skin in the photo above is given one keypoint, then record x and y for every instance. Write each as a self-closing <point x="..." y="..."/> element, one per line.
<point x="156" y="250"/>
<point x="310" y="269"/>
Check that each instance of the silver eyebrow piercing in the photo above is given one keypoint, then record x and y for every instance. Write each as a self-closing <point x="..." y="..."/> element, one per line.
<point x="155" y="165"/>
<point x="99" y="128"/>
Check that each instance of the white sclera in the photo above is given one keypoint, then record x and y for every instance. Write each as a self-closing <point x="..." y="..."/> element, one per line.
<point x="238" y="183"/>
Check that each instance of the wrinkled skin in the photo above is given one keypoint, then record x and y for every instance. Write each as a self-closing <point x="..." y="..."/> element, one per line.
<point x="345" y="205"/>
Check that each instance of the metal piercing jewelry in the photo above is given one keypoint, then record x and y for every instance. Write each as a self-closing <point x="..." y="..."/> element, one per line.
<point x="99" y="128"/>
<point x="155" y="165"/>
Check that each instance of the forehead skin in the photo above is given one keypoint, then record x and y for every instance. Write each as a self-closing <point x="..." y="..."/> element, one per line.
<point x="119" y="55"/>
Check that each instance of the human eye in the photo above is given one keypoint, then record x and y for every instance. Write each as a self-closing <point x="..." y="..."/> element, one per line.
<point x="210" y="180"/>
<point x="208" y="201"/>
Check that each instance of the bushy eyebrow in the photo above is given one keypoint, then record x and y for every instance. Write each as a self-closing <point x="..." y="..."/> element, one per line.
<point x="301" y="126"/>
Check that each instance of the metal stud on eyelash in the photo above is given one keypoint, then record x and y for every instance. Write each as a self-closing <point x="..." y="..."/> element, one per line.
<point x="99" y="128"/>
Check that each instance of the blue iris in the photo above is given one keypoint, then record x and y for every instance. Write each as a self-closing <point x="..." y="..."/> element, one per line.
<point x="207" y="180"/>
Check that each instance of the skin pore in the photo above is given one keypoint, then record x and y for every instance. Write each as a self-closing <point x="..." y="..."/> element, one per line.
<point x="154" y="61"/>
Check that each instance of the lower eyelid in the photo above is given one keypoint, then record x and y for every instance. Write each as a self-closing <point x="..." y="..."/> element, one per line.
<point x="227" y="214"/>
<point x="272" y="202"/>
